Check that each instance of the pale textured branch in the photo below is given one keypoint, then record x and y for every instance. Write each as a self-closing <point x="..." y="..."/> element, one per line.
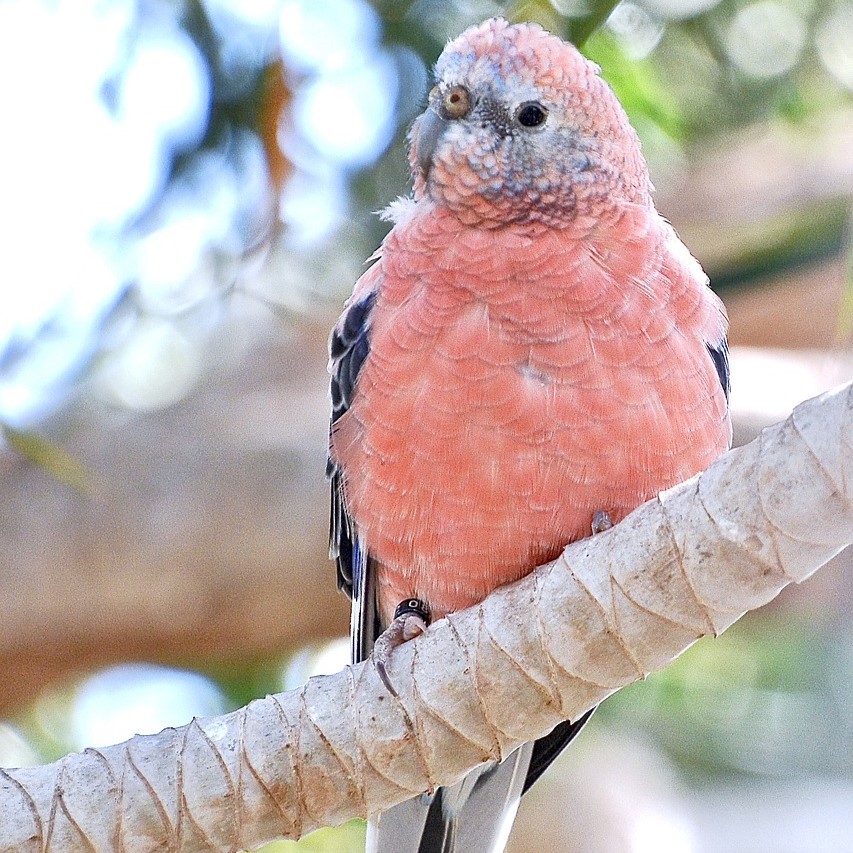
<point x="610" y="610"/>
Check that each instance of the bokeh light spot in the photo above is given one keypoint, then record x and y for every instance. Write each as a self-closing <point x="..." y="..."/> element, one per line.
<point x="349" y="117"/>
<point x="122" y="701"/>
<point x="165" y="89"/>
<point x="676" y="10"/>
<point x="154" y="367"/>
<point x="765" y="39"/>
<point x="834" y="39"/>
<point x="638" y="32"/>
<point x="661" y="830"/>
<point x="321" y="659"/>
<point x="15" y="751"/>
<point x="323" y="37"/>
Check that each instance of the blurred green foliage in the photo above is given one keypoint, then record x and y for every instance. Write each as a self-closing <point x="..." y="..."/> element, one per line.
<point x="48" y="456"/>
<point x="348" y="838"/>
<point x="761" y="700"/>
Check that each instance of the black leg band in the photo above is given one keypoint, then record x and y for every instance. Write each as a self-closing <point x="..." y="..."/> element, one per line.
<point x="413" y="606"/>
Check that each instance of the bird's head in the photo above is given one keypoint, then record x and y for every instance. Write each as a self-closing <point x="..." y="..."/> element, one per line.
<point x="521" y="129"/>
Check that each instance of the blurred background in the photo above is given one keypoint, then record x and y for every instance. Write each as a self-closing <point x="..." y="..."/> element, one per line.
<point x="187" y="194"/>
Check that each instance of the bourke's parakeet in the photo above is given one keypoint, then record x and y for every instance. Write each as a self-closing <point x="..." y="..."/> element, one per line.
<point x="532" y="351"/>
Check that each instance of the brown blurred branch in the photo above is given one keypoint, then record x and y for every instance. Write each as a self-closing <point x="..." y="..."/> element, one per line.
<point x="204" y="535"/>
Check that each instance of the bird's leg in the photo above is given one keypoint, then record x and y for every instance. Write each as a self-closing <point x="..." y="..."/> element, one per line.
<point x="410" y="620"/>
<point x="601" y="521"/>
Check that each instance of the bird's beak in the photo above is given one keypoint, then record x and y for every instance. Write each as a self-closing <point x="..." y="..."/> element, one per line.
<point x="429" y="131"/>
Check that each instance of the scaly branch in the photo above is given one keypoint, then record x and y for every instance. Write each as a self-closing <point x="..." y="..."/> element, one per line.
<point x="607" y="612"/>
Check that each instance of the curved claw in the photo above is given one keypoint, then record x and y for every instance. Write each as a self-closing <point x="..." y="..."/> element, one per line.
<point x="410" y="620"/>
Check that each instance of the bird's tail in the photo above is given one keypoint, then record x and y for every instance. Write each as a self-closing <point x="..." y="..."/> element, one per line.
<point x="473" y="816"/>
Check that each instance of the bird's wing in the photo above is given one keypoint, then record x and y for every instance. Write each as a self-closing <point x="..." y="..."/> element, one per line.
<point x="719" y="352"/>
<point x="348" y="349"/>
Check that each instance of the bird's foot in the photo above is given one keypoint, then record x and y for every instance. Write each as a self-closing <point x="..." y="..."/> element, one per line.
<point x="601" y="521"/>
<point x="410" y="620"/>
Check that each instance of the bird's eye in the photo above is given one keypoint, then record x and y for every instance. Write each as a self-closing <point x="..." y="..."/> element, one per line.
<point x="531" y="114"/>
<point x="456" y="102"/>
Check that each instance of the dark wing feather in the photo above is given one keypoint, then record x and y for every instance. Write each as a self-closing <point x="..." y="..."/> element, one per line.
<point x="720" y="356"/>
<point x="348" y="349"/>
<point x="547" y="748"/>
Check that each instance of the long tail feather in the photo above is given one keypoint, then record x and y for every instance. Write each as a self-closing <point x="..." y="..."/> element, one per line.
<point x="473" y="816"/>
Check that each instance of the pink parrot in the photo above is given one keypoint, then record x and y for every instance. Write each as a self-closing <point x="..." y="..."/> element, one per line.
<point x="532" y="354"/>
